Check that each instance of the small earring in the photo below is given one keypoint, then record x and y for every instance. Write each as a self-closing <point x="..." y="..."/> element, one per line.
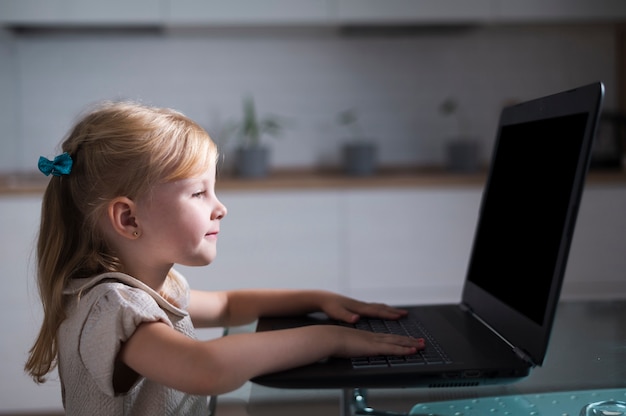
<point x="135" y="234"/>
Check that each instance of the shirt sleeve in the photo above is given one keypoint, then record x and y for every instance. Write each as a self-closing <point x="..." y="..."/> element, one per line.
<point x="113" y="318"/>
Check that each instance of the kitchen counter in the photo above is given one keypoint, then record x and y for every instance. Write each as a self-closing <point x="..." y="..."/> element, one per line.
<point x="34" y="182"/>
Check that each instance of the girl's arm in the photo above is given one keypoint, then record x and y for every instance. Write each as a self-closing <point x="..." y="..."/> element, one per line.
<point x="238" y="307"/>
<point x="163" y="355"/>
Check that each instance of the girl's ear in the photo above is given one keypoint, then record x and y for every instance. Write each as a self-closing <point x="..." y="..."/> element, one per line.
<point x="121" y="214"/>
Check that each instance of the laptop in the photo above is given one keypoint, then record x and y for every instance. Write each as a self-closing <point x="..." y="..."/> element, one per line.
<point x="501" y="327"/>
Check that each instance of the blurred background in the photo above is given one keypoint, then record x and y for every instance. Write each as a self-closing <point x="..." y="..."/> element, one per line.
<point x="304" y="60"/>
<point x="393" y="62"/>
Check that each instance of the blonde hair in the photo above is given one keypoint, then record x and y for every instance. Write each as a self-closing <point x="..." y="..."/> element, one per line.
<point x="118" y="149"/>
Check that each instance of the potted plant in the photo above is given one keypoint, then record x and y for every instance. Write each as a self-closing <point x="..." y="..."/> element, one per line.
<point x="462" y="150"/>
<point x="252" y="157"/>
<point x="359" y="154"/>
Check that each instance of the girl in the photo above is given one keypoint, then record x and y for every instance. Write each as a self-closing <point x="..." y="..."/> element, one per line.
<point x="132" y="194"/>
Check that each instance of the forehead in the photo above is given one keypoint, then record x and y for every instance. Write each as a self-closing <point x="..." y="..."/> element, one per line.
<point x="202" y="175"/>
<point x="197" y="180"/>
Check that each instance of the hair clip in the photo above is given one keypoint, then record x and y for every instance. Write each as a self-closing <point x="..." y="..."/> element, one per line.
<point x="61" y="165"/>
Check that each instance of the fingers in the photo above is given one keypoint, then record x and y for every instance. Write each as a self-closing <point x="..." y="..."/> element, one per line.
<point x="345" y="315"/>
<point x="380" y="310"/>
<point x="405" y="345"/>
<point x="362" y="343"/>
<point x="377" y="310"/>
<point x="350" y="310"/>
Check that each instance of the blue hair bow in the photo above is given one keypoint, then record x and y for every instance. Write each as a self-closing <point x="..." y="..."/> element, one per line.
<point x="61" y="165"/>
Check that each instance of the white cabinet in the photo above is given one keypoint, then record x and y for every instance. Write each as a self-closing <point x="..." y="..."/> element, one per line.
<point x="248" y="12"/>
<point x="276" y="239"/>
<point x="20" y="310"/>
<point x="378" y="244"/>
<point x="478" y="11"/>
<point x="413" y="11"/>
<point x="409" y="245"/>
<point x="397" y="245"/>
<point x="413" y="245"/>
<point x="296" y="12"/>
<point x="560" y="10"/>
<point x="82" y="12"/>
<point x="596" y="262"/>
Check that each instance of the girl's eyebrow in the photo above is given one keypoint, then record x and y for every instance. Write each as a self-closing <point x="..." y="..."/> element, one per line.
<point x="199" y="180"/>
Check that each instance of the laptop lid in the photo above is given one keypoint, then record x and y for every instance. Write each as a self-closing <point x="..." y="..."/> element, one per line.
<point x="533" y="192"/>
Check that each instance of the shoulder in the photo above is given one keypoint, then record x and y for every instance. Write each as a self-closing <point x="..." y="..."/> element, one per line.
<point x="113" y="296"/>
<point x="108" y="304"/>
<point x="113" y="307"/>
<point x="127" y="291"/>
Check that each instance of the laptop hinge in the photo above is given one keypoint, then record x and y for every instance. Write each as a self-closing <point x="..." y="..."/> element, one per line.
<point x="518" y="351"/>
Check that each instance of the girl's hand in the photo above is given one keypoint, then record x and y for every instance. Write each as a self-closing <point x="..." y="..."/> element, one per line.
<point x="356" y="343"/>
<point x="350" y="310"/>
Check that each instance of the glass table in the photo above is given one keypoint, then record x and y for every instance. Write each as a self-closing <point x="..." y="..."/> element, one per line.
<point x="586" y="362"/>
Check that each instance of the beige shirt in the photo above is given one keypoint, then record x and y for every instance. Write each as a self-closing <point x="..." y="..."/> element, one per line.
<point x="103" y="312"/>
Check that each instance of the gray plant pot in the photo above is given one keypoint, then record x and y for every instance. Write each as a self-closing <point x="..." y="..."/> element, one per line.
<point x="252" y="162"/>
<point x="359" y="159"/>
<point x="463" y="155"/>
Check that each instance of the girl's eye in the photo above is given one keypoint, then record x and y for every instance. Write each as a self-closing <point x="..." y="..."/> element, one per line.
<point x="198" y="194"/>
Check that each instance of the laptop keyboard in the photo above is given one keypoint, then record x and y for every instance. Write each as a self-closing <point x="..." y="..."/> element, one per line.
<point x="431" y="354"/>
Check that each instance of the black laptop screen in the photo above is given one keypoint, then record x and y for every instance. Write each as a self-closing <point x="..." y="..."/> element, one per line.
<point x="531" y="183"/>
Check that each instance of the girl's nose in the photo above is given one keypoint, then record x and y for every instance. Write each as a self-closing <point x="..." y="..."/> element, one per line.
<point x="220" y="211"/>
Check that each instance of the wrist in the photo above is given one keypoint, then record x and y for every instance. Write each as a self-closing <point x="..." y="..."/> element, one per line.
<point x="322" y="298"/>
<point x="329" y="340"/>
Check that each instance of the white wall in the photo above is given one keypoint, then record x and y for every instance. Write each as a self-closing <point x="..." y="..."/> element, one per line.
<point x="10" y="138"/>
<point x="307" y="75"/>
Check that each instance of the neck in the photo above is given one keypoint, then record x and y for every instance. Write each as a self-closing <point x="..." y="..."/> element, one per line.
<point x="155" y="279"/>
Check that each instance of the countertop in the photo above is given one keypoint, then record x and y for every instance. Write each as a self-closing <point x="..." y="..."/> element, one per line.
<point x="18" y="183"/>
